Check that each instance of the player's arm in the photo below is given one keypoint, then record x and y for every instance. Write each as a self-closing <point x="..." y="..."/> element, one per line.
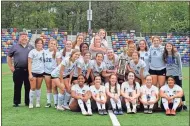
<point x="141" y="73"/>
<point x="109" y="93"/>
<point x="105" y="74"/>
<point x="30" y="68"/>
<point x="137" y="94"/>
<point x="74" y="95"/>
<point x="87" y="96"/>
<point x="88" y="73"/>
<point x="179" y="94"/>
<point x="125" y="95"/>
<point x="61" y="74"/>
<point x="163" y="95"/>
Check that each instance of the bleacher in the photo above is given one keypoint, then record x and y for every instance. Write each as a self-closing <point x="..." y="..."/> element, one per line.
<point x="61" y="38"/>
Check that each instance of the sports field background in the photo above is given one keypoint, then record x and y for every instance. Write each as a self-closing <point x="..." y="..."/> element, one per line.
<point x="23" y="116"/>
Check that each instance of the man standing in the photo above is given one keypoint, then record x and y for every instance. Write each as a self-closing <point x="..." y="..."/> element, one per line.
<point x="19" y="52"/>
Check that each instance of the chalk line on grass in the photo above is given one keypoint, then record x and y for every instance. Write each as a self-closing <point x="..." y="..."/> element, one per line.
<point x="114" y="119"/>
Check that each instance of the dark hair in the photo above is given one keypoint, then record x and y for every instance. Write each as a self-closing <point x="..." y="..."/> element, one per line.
<point x="37" y="40"/>
<point x="165" y="54"/>
<point x="171" y="77"/>
<point x="64" y="50"/>
<point x="85" y="52"/>
<point x="81" y="45"/>
<point x="134" y="83"/>
<point x="98" y="76"/>
<point x="110" y="83"/>
<point x="99" y="53"/>
<point x="148" y="76"/>
<point x="138" y="48"/>
<point x="75" y="42"/>
<point x="137" y="53"/>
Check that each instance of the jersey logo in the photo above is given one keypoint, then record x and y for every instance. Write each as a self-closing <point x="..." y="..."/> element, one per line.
<point x="146" y="54"/>
<point x="155" y="54"/>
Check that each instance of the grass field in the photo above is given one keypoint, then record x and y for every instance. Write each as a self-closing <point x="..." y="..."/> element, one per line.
<point x="22" y="116"/>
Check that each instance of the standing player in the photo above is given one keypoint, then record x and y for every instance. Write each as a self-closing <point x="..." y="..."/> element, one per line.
<point x="113" y="93"/>
<point x="79" y="40"/>
<point x="173" y="62"/>
<point x="144" y="55"/>
<point x="171" y="95"/>
<point x="66" y="52"/>
<point x="99" y="95"/>
<point x="130" y="91"/>
<point x="137" y="66"/>
<point x="36" y="70"/>
<point x="19" y="52"/>
<point x="149" y="95"/>
<point x="52" y="60"/>
<point x="81" y="94"/>
<point x="157" y="66"/>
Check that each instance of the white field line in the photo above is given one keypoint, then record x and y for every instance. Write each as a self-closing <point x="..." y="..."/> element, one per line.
<point x="114" y="119"/>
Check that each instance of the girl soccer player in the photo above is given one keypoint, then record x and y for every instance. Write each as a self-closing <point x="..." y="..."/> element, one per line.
<point x="99" y="95"/>
<point x="173" y="62"/>
<point x="137" y="66"/>
<point x="144" y="55"/>
<point x="83" y="47"/>
<point x="113" y="92"/>
<point x="81" y="94"/>
<point x="52" y="59"/>
<point x="66" y="52"/>
<point x="98" y="47"/>
<point x="149" y="95"/>
<point x="171" y="95"/>
<point x="157" y="66"/>
<point x="79" y="40"/>
<point x="62" y="79"/>
<point x="36" y="70"/>
<point x="130" y="90"/>
<point x="99" y="67"/>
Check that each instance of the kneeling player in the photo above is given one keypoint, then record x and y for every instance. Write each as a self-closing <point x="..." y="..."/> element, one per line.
<point x="171" y="95"/>
<point x="149" y="95"/>
<point x="81" y="94"/>
<point x="99" y="95"/>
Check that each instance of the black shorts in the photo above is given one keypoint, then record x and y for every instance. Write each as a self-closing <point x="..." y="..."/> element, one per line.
<point x="66" y="77"/>
<point x="161" y="72"/>
<point x="37" y="75"/>
<point x="54" y="77"/>
<point x="46" y="74"/>
<point x="74" y="78"/>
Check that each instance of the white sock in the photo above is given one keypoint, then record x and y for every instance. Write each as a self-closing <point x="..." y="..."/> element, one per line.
<point x="184" y="103"/>
<point x="88" y="104"/>
<point x="67" y="98"/>
<point x="103" y="106"/>
<point x="98" y="105"/>
<point x="31" y="96"/>
<point x="60" y="99"/>
<point x="145" y="106"/>
<point x="81" y="104"/>
<point x="151" y="106"/>
<point x="128" y="105"/>
<point x="38" y="94"/>
<point x="176" y="103"/>
<point x="119" y="104"/>
<point x="49" y="98"/>
<point x="152" y="98"/>
<point x="113" y="104"/>
<point x="55" y="96"/>
<point x="134" y="106"/>
<point x="165" y="103"/>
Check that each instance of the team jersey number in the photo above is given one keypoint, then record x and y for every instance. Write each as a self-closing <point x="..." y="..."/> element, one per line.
<point x="48" y="60"/>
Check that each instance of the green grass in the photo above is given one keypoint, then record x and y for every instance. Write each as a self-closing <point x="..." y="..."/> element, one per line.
<point x="23" y="116"/>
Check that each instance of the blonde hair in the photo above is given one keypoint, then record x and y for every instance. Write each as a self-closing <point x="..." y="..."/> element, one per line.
<point x="54" y="51"/>
<point x="72" y="53"/>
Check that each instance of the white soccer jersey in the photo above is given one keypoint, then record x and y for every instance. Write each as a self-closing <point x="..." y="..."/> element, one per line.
<point x="84" y="67"/>
<point x="97" y="69"/>
<point x="145" y="57"/>
<point x="55" y="72"/>
<point x="50" y="62"/>
<point x="37" y="61"/>
<point x="137" y="67"/>
<point x="67" y="54"/>
<point x="68" y="66"/>
<point x="170" y="91"/>
<point x="79" y="90"/>
<point x="149" y="91"/>
<point x="129" y="88"/>
<point x="112" y="88"/>
<point x="110" y="64"/>
<point x="96" y="91"/>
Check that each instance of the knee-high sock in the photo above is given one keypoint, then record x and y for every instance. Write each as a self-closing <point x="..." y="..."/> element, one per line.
<point x="31" y="96"/>
<point x="55" y="96"/>
<point x="127" y="105"/>
<point x="38" y="94"/>
<point x="104" y="106"/>
<point x="49" y="98"/>
<point x="60" y="99"/>
<point x="165" y="103"/>
<point x="81" y="104"/>
<point x="152" y="98"/>
<point x="176" y="103"/>
<point x="119" y="103"/>
<point x="113" y="104"/>
<point x="98" y="104"/>
<point x="88" y="104"/>
<point x="66" y="99"/>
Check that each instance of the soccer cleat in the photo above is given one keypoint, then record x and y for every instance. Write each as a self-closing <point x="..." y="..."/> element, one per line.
<point x="134" y="110"/>
<point x="115" y="112"/>
<point x="48" y="105"/>
<point x="105" y="112"/>
<point x="55" y="105"/>
<point x="150" y="111"/>
<point x="184" y="107"/>
<point x="120" y="112"/>
<point x="173" y="112"/>
<point x="90" y="112"/>
<point x="100" y="112"/>
<point x="128" y="110"/>
<point x="37" y="105"/>
<point x="31" y="106"/>
<point x="145" y="110"/>
<point x="168" y="112"/>
<point x="15" y="105"/>
<point x="66" y="107"/>
<point x="84" y="112"/>
<point x="60" y="108"/>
